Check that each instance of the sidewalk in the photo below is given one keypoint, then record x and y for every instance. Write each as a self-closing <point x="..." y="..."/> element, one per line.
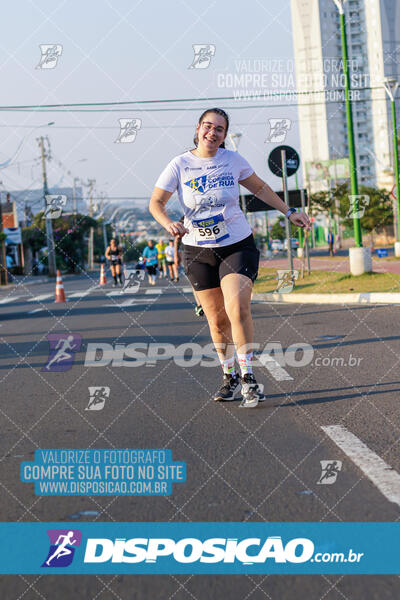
<point x="339" y="264"/>
<point x="23" y="280"/>
<point x="357" y="298"/>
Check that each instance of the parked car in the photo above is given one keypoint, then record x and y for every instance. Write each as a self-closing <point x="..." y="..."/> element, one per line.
<point x="294" y="243"/>
<point x="276" y="246"/>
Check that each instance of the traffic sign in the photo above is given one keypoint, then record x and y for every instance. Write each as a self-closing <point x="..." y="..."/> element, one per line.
<point x="275" y="161"/>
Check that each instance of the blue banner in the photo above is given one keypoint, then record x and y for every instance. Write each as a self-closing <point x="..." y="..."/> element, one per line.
<point x="209" y="548"/>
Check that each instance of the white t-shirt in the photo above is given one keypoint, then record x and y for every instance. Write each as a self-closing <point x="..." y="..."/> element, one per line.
<point x="170" y="253"/>
<point x="208" y="192"/>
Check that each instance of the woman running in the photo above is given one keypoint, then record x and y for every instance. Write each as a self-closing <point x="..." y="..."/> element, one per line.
<point x="150" y="254"/>
<point x="114" y="255"/>
<point x="220" y="256"/>
<point x="162" y="264"/>
<point x="170" y="256"/>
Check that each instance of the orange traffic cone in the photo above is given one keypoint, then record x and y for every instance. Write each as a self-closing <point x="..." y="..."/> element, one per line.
<point x="60" y="294"/>
<point x="103" y="279"/>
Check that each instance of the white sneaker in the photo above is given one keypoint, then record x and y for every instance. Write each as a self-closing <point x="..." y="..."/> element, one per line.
<point x="251" y="393"/>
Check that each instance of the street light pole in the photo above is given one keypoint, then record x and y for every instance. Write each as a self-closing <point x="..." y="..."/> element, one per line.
<point x="287" y="221"/>
<point x="49" y="226"/>
<point x="74" y="198"/>
<point x="103" y="224"/>
<point x="91" y="184"/>
<point x="391" y="86"/>
<point x="350" y="130"/>
<point x="235" y="140"/>
<point x="360" y="258"/>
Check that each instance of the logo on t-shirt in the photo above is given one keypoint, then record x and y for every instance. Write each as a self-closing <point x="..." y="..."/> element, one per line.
<point x="209" y="182"/>
<point x="210" y="202"/>
<point x="197" y="184"/>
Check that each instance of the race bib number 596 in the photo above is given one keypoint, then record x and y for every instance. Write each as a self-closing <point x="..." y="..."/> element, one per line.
<point x="210" y="230"/>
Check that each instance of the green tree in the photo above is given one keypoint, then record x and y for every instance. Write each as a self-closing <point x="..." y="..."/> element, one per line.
<point x="34" y="236"/>
<point x="375" y="205"/>
<point x="278" y="231"/>
<point x="134" y="250"/>
<point x="325" y="202"/>
<point x="377" y="209"/>
<point x="70" y="239"/>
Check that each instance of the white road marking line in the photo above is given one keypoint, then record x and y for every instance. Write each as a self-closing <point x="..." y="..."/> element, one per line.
<point x="83" y="293"/>
<point x="35" y="311"/>
<point x="153" y="291"/>
<point x="10" y="299"/>
<point x="386" y="479"/>
<point x="268" y="302"/>
<point x="277" y="372"/>
<point x="186" y="290"/>
<point x="128" y="302"/>
<point x="40" y="298"/>
<point x="115" y="293"/>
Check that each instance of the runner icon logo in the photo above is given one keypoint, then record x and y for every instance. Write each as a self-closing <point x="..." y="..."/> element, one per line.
<point x="286" y="279"/>
<point x="61" y="351"/>
<point x="197" y="184"/>
<point x="128" y="130"/>
<point x="278" y="129"/>
<point x="330" y="470"/>
<point x="202" y="56"/>
<point x="358" y="204"/>
<point x="50" y="54"/>
<point x="133" y="277"/>
<point x="54" y="206"/>
<point x="98" y="396"/>
<point x="63" y="543"/>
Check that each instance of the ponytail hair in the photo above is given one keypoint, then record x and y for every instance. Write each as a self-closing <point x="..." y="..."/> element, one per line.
<point x="217" y="111"/>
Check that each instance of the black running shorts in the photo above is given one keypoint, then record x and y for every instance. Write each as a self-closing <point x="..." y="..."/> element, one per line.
<point x="205" y="267"/>
<point x="151" y="269"/>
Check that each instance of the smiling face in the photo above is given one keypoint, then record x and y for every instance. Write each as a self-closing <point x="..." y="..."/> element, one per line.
<point x="211" y="132"/>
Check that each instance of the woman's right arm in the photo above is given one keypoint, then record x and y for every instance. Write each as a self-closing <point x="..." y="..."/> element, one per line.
<point x="157" y="205"/>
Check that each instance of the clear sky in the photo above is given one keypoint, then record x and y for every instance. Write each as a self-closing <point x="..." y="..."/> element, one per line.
<point x="120" y="50"/>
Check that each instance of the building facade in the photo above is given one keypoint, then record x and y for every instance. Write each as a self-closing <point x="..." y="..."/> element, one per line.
<point x="373" y="40"/>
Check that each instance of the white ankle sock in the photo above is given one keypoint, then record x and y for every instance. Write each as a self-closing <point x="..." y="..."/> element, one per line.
<point x="228" y="366"/>
<point x="245" y="363"/>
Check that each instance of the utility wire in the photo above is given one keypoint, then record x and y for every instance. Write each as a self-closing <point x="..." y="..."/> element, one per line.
<point x="126" y="102"/>
<point x="73" y="107"/>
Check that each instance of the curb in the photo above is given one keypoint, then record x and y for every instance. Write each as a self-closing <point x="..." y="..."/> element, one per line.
<point x="18" y="283"/>
<point x="358" y="298"/>
<point x="21" y="283"/>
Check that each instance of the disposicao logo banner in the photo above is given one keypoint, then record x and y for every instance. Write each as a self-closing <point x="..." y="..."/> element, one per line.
<point x="211" y="548"/>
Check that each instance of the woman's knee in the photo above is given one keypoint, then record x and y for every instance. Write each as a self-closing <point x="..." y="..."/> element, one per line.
<point x="238" y="311"/>
<point x="218" y="321"/>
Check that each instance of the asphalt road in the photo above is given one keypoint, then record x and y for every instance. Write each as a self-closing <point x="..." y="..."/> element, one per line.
<point x="242" y="465"/>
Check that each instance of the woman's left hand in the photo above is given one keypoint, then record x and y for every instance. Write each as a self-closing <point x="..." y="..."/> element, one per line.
<point x="300" y="220"/>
